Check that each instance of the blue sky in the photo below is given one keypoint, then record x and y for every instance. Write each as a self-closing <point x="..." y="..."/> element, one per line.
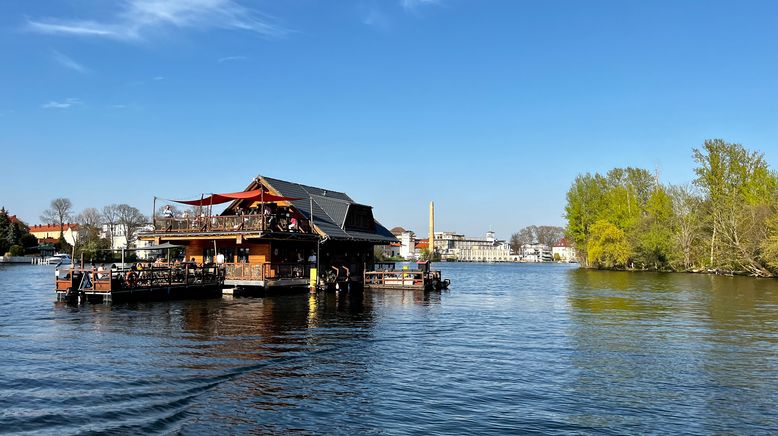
<point x="490" y="108"/>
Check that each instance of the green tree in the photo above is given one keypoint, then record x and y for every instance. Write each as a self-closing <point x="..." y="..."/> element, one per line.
<point x="607" y="246"/>
<point x="585" y="203"/>
<point x="654" y="234"/>
<point x="687" y="226"/>
<point x="740" y="193"/>
<point x="5" y="224"/>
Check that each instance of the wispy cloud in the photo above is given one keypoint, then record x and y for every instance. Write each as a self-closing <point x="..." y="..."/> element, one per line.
<point x="137" y="18"/>
<point x="232" y="59"/>
<point x="68" y="62"/>
<point x="70" y="102"/>
<point x="412" y="5"/>
<point x="373" y="16"/>
<point x="158" y="78"/>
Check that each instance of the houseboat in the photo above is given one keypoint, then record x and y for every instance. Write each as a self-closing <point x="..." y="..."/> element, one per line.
<point x="276" y="234"/>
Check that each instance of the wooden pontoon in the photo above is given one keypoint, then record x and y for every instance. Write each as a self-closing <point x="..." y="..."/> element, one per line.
<point x="385" y="276"/>
<point x="135" y="283"/>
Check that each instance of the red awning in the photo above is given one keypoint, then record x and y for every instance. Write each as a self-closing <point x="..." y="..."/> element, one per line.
<point x="255" y="195"/>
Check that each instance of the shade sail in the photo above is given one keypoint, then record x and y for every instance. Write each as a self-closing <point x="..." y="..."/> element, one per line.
<point x="256" y="195"/>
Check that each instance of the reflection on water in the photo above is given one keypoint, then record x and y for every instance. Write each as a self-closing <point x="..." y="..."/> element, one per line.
<point x="510" y="348"/>
<point x="697" y="353"/>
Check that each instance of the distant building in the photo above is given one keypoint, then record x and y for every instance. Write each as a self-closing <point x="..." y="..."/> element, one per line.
<point x="454" y="246"/>
<point x="563" y="251"/>
<point x="407" y="245"/>
<point x="49" y="233"/>
<point x="118" y="238"/>
<point x="536" y="252"/>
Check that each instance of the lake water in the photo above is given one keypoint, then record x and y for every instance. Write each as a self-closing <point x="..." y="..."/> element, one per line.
<point x="509" y="348"/>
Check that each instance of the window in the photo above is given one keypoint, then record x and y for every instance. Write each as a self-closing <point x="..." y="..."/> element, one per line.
<point x="360" y="218"/>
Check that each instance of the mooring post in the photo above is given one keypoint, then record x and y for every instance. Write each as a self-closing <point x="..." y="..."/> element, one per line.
<point x="313" y="275"/>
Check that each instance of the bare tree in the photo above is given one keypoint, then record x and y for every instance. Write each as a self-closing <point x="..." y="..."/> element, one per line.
<point x="131" y="219"/>
<point x="111" y="217"/>
<point x="549" y="235"/>
<point x="59" y="212"/>
<point x="89" y="221"/>
<point x="527" y="235"/>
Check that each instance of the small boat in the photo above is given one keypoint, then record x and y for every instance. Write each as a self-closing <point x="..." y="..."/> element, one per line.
<point x="57" y="259"/>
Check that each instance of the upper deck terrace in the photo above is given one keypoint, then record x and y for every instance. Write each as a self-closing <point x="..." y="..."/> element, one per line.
<point x="277" y="222"/>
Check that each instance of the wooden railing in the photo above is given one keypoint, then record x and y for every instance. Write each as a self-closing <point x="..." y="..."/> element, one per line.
<point x="266" y="271"/>
<point x="151" y="276"/>
<point x="230" y="223"/>
<point x="395" y="279"/>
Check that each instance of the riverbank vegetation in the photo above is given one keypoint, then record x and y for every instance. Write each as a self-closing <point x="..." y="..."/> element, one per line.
<point x="726" y="220"/>
<point x="15" y="237"/>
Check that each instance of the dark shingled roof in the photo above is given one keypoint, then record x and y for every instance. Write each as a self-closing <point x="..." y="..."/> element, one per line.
<point x="330" y="209"/>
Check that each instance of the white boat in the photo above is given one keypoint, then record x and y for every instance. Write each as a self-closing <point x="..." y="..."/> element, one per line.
<point x="62" y="262"/>
<point x="57" y="259"/>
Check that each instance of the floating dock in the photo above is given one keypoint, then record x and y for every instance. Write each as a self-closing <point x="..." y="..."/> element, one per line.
<point x="385" y="276"/>
<point x="148" y="282"/>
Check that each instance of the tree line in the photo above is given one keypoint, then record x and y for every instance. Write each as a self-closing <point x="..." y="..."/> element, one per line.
<point x="546" y="235"/>
<point x="726" y="220"/>
<point x="121" y="219"/>
<point x="15" y="237"/>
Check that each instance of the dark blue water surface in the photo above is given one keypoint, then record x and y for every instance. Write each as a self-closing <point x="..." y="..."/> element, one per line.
<point x="508" y="349"/>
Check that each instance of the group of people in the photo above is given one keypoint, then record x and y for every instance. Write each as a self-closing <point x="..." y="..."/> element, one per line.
<point x="276" y="218"/>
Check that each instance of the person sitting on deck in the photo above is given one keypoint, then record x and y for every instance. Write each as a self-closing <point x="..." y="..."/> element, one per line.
<point x="293" y="227"/>
<point x="312" y="258"/>
<point x="267" y="216"/>
<point x="100" y="270"/>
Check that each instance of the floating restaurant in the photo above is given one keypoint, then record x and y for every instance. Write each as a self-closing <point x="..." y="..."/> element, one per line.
<point x="274" y="234"/>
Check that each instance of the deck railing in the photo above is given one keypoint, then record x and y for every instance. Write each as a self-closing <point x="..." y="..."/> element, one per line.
<point x="395" y="278"/>
<point x="266" y="271"/>
<point x="230" y="223"/>
<point x="152" y="276"/>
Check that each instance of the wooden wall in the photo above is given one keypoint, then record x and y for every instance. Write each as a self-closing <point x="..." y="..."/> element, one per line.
<point x="258" y="252"/>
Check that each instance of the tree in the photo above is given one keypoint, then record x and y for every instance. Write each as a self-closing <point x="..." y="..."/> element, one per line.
<point x="740" y="190"/>
<point x="770" y="244"/>
<point x="585" y="202"/>
<point x="4" y="225"/>
<point x="527" y="235"/>
<point x="427" y="255"/>
<point x="13" y="233"/>
<point x="607" y="246"/>
<point x="89" y="227"/>
<point x="687" y="225"/>
<point x="111" y="216"/>
<point x="653" y="235"/>
<point x="90" y="223"/>
<point x="549" y="235"/>
<point x="59" y="212"/>
<point x="131" y="220"/>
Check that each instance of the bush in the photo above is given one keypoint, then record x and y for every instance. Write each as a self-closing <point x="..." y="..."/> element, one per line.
<point x="16" y="250"/>
<point x="28" y="241"/>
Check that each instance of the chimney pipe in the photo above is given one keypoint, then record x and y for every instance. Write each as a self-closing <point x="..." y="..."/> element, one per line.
<point x="432" y="229"/>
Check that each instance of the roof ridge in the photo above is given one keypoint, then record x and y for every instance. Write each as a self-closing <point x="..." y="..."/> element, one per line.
<point x="305" y="187"/>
